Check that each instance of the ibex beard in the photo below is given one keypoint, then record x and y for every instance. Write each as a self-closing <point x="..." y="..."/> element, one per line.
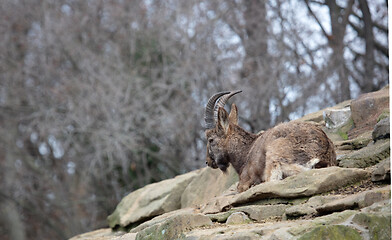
<point x="282" y="151"/>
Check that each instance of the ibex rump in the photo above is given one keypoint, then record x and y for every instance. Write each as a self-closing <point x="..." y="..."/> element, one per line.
<point x="277" y="153"/>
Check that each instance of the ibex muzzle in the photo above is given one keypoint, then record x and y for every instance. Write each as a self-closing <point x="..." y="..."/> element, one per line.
<point x="279" y="152"/>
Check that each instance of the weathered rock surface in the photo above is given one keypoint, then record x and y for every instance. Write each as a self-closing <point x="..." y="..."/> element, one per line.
<point x="336" y="118"/>
<point x="257" y="213"/>
<point x="382" y="129"/>
<point x="382" y="171"/>
<point x="105" y="234"/>
<point x="207" y="184"/>
<point x="150" y="201"/>
<point x="332" y="232"/>
<point x="238" y="218"/>
<point x="318" y="117"/>
<point x="367" y="108"/>
<point x="309" y="207"/>
<point x="305" y="184"/>
<point x="368" y="156"/>
<point x="358" y="200"/>
<point x="171" y="225"/>
<point x="336" y="203"/>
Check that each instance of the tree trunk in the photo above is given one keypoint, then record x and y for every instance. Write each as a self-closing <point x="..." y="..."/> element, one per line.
<point x="256" y="68"/>
<point x="367" y="81"/>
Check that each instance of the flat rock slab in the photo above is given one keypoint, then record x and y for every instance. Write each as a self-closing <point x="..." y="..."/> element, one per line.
<point x="256" y="213"/>
<point x="171" y="225"/>
<point x="309" y="207"/>
<point x="332" y="232"/>
<point x="206" y="185"/>
<point x="305" y="184"/>
<point x="248" y="231"/>
<point x="150" y="201"/>
<point x="358" y="200"/>
<point x="368" y="156"/>
<point x="104" y="234"/>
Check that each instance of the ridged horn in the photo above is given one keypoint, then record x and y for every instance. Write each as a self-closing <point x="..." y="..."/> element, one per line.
<point x="222" y="101"/>
<point x="210" y="109"/>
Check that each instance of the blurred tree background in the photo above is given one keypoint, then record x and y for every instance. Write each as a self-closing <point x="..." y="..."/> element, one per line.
<point x="98" y="98"/>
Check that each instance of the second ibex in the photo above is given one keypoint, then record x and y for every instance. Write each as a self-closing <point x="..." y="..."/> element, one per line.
<point x="282" y="151"/>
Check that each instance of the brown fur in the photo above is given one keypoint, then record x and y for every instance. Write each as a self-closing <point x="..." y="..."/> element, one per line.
<point x="279" y="152"/>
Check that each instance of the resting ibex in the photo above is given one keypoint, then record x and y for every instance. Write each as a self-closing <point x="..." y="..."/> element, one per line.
<point x="277" y="153"/>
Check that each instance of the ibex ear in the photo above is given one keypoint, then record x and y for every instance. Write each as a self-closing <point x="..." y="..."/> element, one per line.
<point x="223" y="121"/>
<point x="233" y="116"/>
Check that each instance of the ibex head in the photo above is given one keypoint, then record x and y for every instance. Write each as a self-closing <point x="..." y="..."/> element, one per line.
<point x="219" y="126"/>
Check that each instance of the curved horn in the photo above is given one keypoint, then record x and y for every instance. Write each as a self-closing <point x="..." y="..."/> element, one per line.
<point x="210" y="109"/>
<point x="222" y="101"/>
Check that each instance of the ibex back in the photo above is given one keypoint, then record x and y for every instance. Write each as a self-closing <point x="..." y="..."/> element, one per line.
<point x="277" y="153"/>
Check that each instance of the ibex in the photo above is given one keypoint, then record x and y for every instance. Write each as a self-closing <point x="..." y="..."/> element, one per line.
<point x="275" y="154"/>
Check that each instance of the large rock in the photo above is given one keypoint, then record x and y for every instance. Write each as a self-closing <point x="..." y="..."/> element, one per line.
<point x="207" y="184"/>
<point x="366" y="109"/>
<point x="363" y="220"/>
<point x="358" y="200"/>
<point x="238" y="218"/>
<point x="332" y="232"/>
<point x="150" y="201"/>
<point x="171" y="225"/>
<point x="318" y="116"/>
<point x="359" y="142"/>
<point x="368" y="156"/>
<point x="257" y="213"/>
<point x="99" y="234"/>
<point x="309" y="207"/>
<point x="379" y="227"/>
<point x="304" y="184"/>
<point x="336" y="118"/>
<point x="382" y="129"/>
<point x="382" y="171"/>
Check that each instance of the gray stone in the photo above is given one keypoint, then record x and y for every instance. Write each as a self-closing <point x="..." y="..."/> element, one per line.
<point x="150" y="201"/>
<point x="318" y="116"/>
<point x="379" y="227"/>
<point x="336" y="118"/>
<point x="259" y="213"/>
<point x="226" y="232"/>
<point x="331" y="219"/>
<point x="368" y="106"/>
<point x="171" y="225"/>
<point x="208" y="184"/>
<point x="382" y="171"/>
<point x="310" y="206"/>
<point x="101" y="234"/>
<point x="368" y="156"/>
<point x="238" y="218"/>
<point x="256" y="213"/>
<point x="381" y="130"/>
<point x="332" y="232"/>
<point x="356" y="143"/>
<point x="358" y="200"/>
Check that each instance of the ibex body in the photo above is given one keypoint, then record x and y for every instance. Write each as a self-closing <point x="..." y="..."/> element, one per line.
<point x="279" y="152"/>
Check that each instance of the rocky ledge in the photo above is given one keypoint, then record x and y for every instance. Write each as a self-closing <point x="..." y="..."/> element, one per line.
<point x="350" y="201"/>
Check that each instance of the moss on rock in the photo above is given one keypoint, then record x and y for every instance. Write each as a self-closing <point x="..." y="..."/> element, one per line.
<point x="379" y="226"/>
<point x="332" y="232"/>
